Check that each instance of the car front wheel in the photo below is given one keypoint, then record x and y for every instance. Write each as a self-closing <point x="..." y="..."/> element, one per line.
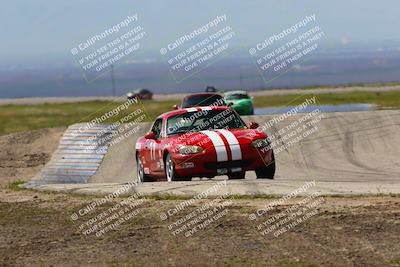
<point x="268" y="171"/>
<point x="171" y="172"/>
<point x="142" y="177"/>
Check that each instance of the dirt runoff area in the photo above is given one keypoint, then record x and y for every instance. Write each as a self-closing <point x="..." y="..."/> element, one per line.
<point x="23" y="154"/>
<point x="44" y="229"/>
<point x="38" y="229"/>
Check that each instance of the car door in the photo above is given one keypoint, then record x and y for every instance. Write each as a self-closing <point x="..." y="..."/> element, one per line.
<point x="159" y="150"/>
<point x="152" y="145"/>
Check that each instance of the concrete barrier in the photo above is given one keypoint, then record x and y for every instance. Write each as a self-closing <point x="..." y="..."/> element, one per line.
<point x="79" y="155"/>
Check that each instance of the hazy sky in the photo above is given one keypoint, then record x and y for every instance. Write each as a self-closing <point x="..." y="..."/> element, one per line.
<point x="36" y="27"/>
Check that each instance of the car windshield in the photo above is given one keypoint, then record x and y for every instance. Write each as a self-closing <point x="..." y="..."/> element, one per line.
<point x="236" y="96"/>
<point x="204" y="120"/>
<point x="203" y="100"/>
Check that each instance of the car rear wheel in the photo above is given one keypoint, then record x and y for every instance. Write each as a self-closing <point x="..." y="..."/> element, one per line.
<point x="142" y="177"/>
<point x="170" y="171"/>
<point x="267" y="172"/>
<point x="236" y="175"/>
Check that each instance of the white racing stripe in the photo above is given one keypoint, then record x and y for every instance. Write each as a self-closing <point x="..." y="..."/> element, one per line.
<point x="219" y="145"/>
<point x="233" y="144"/>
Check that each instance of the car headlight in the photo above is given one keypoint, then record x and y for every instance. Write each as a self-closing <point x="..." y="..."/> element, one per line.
<point x="190" y="150"/>
<point x="261" y="143"/>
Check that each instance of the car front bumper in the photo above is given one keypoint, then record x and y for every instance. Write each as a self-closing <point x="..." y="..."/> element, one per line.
<point x="205" y="164"/>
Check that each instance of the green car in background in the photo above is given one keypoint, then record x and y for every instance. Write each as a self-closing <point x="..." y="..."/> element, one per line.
<point x="240" y="101"/>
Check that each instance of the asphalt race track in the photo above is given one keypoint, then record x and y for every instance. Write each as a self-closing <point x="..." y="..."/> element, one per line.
<point x="343" y="152"/>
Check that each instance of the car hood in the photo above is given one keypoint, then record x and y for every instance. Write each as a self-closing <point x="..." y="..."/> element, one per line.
<point x="212" y="137"/>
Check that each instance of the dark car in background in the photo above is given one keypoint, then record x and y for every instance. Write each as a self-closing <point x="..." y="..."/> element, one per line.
<point x="211" y="89"/>
<point x="143" y="94"/>
<point x="202" y="99"/>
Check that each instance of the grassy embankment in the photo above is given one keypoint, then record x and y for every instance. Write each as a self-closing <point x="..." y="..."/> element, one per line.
<point x="15" y="118"/>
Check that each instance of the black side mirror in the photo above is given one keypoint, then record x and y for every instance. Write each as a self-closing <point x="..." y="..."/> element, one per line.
<point x="150" y="135"/>
<point x="253" y="125"/>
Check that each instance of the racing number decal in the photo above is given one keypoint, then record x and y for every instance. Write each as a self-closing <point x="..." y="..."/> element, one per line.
<point x="152" y="147"/>
<point x="156" y="156"/>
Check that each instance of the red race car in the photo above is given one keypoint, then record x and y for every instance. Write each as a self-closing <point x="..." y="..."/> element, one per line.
<point x="203" y="142"/>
